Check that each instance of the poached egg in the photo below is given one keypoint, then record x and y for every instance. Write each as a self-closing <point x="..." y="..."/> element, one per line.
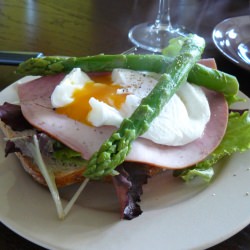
<point x="106" y="99"/>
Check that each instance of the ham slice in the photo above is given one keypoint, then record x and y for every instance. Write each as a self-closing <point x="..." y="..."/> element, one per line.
<point x="36" y="107"/>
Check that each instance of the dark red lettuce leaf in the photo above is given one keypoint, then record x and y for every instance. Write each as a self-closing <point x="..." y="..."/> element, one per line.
<point x="20" y="145"/>
<point x="128" y="185"/>
<point x="45" y="143"/>
<point x="11" y="114"/>
<point x="10" y="147"/>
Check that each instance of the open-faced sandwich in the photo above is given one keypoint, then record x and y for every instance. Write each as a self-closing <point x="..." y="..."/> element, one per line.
<point x="124" y="118"/>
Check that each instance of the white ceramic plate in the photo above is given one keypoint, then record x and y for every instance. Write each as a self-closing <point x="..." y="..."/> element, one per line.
<point x="176" y="215"/>
<point x="232" y="38"/>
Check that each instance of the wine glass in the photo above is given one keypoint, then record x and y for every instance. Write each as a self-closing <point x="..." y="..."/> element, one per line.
<point x="155" y="36"/>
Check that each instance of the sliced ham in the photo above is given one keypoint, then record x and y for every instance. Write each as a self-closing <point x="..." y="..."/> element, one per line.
<point x="189" y="154"/>
<point x="36" y="107"/>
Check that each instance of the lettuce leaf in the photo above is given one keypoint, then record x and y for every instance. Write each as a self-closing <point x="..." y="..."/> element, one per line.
<point x="174" y="47"/>
<point x="11" y="114"/>
<point x="66" y="155"/>
<point x="128" y="185"/>
<point x="188" y="174"/>
<point x="236" y="139"/>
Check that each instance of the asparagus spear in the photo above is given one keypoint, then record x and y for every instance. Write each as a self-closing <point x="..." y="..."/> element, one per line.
<point x="214" y="79"/>
<point x="199" y="74"/>
<point x="114" y="150"/>
<point x="52" y="65"/>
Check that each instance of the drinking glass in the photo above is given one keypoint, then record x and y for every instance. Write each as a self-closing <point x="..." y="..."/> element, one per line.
<point x="155" y="36"/>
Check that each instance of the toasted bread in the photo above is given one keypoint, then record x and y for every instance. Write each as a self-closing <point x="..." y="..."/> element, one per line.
<point x="64" y="176"/>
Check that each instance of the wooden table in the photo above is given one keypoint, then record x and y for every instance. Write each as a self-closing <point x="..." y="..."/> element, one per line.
<point x="88" y="27"/>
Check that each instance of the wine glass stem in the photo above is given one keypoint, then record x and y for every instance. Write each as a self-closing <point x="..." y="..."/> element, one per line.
<point x="163" y="16"/>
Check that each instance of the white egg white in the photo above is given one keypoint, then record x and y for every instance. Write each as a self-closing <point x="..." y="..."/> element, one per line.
<point x="62" y="94"/>
<point x="182" y="120"/>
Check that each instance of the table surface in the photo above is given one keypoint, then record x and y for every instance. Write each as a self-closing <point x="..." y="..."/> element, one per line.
<point x="78" y="28"/>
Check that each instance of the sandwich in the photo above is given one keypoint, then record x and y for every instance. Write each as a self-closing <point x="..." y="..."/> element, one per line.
<point x="123" y="119"/>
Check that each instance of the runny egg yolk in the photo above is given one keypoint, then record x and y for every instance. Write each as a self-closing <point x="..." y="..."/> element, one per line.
<point x="101" y="88"/>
